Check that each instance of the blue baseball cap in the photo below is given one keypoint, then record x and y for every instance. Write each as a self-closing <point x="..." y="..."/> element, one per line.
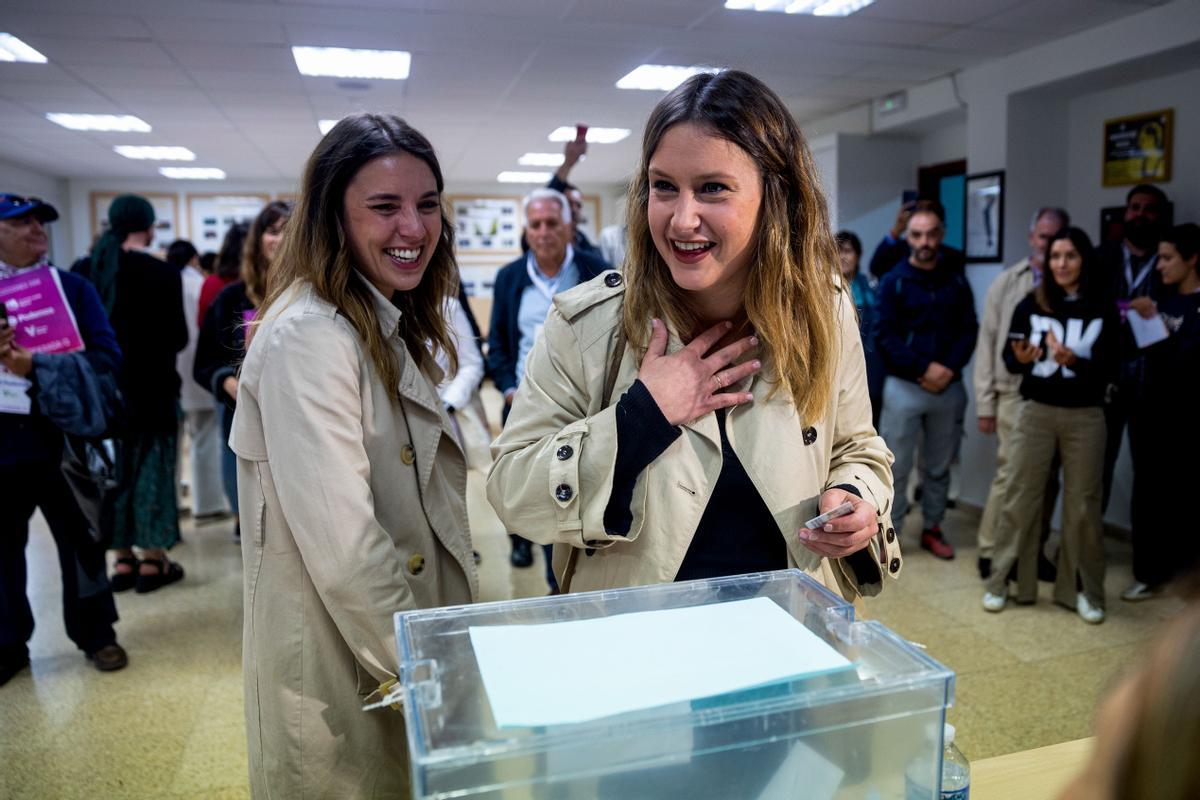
<point x="14" y="205"/>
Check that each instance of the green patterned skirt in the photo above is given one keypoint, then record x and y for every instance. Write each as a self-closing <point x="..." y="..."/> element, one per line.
<point x="145" y="513"/>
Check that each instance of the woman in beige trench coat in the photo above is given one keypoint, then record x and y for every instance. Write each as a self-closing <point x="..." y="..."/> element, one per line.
<point x="350" y="480"/>
<point x="685" y="419"/>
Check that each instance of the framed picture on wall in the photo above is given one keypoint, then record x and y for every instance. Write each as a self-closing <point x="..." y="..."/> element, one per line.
<point x="983" y="212"/>
<point x="212" y="214"/>
<point x="486" y="224"/>
<point x="166" y="216"/>
<point x="1137" y="149"/>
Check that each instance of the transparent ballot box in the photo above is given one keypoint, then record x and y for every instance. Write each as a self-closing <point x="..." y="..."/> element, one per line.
<point x="772" y="690"/>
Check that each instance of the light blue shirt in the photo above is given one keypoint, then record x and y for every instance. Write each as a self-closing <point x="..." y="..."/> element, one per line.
<point x="536" y="300"/>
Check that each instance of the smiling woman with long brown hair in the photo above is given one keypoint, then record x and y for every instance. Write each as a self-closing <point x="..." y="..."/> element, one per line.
<point x="685" y="419"/>
<point x="350" y="479"/>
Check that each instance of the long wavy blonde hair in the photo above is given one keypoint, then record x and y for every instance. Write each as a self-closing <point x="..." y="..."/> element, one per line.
<point x="315" y="248"/>
<point x="793" y="278"/>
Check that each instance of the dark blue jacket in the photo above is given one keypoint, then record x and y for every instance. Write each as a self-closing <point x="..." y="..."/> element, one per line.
<point x="504" y="335"/>
<point x="33" y="438"/>
<point x="925" y="316"/>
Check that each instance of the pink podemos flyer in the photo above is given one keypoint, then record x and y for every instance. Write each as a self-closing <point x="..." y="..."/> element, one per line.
<point x="39" y="313"/>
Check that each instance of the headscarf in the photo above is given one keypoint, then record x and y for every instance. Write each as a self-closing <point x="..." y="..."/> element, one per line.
<point x="128" y="214"/>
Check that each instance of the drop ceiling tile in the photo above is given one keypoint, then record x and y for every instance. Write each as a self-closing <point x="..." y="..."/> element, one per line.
<point x="946" y="12"/>
<point x="207" y="55"/>
<point x="226" y="31"/>
<point x="89" y="51"/>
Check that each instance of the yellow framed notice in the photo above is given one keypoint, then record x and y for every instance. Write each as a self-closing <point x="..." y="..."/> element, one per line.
<point x="1137" y="148"/>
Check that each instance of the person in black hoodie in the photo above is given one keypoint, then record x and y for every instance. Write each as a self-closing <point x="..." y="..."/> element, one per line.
<point x="1062" y="339"/>
<point x="925" y="332"/>
<point x="1162" y="438"/>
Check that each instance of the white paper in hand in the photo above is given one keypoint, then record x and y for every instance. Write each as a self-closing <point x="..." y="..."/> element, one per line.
<point x="1147" y="331"/>
<point x="568" y="672"/>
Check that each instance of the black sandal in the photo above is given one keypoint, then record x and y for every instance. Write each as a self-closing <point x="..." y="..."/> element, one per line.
<point x="124" y="581"/>
<point x="168" y="572"/>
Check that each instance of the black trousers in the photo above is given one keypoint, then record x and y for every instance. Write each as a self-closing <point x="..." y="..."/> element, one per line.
<point x="1163" y="451"/>
<point x="88" y="607"/>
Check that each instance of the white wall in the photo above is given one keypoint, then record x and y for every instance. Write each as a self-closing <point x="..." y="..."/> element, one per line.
<point x="1086" y="115"/>
<point x="20" y="180"/>
<point x="944" y="143"/>
<point x="1039" y="116"/>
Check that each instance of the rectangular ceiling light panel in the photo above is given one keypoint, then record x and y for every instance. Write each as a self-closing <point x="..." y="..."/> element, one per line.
<point x="13" y="49"/>
<point x="541" y="160"/>
<point x="153" y="153"/>
<point x="818" y="8"/>
<point x="594" y="135"/>
<point x="326" y="125"/>
<point x="523" y="177"/>
<point x="343" y="62"/>
<point x="121" y="123"/>
<point x="659" y="77"/>
<point x="193" y="173"/>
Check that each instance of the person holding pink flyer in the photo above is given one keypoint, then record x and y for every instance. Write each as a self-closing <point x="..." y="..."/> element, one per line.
<point x="144" y="300"/>
<point x="32" y="294"/>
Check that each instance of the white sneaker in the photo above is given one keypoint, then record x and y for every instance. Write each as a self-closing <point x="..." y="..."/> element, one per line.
<point x="1089" y="613"/>
<point x="995" y="602"/>
<point x="1138" y="591"/>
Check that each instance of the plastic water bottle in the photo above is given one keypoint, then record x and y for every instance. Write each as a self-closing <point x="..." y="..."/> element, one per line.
<point x="956" y="770"/>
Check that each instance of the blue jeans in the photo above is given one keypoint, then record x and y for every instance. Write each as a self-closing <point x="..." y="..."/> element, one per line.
<point x="909" y="410"/>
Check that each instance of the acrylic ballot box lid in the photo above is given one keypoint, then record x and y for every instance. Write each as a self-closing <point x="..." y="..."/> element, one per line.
<point x="457" y="749"/>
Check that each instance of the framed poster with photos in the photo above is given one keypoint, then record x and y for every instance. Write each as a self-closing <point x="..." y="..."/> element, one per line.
<point x="486" y="224"/>
<point x="983" y="213"/>
<point x="211" y="215"/>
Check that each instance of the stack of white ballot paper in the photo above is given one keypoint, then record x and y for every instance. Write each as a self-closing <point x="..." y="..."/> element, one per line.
<point x="570" y="672"/>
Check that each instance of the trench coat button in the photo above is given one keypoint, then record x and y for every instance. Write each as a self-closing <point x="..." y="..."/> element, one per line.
<point x="589" y="551"/>
<point x="810" y="435"/>
<point x="894" y="567"/>
<point x="408" y="455"/>
<point x="612" y="280"/>
<point x="563" y="492"/>
<point x="891" y="535"/>
<point x="416" y="564"/>
<point x="565" y="452"/>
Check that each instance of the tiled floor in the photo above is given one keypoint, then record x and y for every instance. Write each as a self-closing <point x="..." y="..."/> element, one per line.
<point x="170" y="725"/>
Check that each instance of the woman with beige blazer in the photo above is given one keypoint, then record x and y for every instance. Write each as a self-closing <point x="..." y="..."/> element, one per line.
<point x="350" y="479"/>
<point x="685" y="419"/>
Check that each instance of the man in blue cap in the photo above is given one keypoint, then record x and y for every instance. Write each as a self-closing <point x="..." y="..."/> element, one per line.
<point x="31" y="451"/>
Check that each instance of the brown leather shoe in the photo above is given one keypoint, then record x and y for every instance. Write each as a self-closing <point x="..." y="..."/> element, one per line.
<point x="109" y="658"/>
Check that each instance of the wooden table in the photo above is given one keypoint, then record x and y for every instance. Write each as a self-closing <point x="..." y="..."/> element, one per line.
<point x="1030" y="774"/>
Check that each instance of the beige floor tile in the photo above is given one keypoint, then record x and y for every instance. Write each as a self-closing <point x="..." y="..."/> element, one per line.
<point x="171" y="724"/>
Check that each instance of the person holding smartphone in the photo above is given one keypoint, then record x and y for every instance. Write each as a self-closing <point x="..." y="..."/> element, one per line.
<point x="684" y="419"/>
<point x="1061" y="341"/>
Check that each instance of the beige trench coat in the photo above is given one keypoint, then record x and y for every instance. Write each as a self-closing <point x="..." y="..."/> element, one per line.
<point x="352" y="508"/>
<point x="558" y="435"/>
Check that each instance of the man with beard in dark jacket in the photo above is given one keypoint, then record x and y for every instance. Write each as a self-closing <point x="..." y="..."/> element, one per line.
<point x="1129" y="267"/>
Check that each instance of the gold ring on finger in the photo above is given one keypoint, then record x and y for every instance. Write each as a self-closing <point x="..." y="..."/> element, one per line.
<point x="720" y="381"/>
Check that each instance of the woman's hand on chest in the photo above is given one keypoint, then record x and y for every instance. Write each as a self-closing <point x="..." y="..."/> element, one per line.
<point x="689" y="383"/>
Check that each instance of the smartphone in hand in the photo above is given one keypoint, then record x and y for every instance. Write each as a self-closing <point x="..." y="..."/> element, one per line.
<point x="818" y="522"/>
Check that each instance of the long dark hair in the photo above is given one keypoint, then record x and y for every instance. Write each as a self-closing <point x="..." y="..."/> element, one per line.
<point x="792" y="284"/>
<point x="254" y="261"/>
<point x="229" y="259"/>
<point x="1050" y="295"/>
<point x="315" y="248"/>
